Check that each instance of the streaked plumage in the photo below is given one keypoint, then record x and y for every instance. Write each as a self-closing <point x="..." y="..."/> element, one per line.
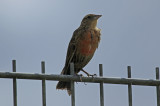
<point x="81" y="48"/>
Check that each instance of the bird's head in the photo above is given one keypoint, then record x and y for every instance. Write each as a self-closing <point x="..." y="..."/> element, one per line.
<point x="90" y="21"/>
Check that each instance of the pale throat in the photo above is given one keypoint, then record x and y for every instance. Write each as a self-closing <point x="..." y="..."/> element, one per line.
<point x="94" y="25"/>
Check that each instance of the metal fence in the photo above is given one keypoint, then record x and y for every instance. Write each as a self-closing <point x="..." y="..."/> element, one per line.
<point x="98" y="79"/>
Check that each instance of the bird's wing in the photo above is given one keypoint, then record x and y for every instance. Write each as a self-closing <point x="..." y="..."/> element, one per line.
<point x="72" y="47"/>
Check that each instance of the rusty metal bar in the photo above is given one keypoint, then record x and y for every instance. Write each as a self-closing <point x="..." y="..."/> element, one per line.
<point x="129" y="87"/>
<point x="72" y="85"/>
<point x="158" y="87"/>
<point x="14" y="84"/>
<point x="101" y="86"/>
<point x="109" y="80"/>
<point x="43" y="84"/>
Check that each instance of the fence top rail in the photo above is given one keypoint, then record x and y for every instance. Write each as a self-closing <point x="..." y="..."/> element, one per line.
<point x="109" y="80"/>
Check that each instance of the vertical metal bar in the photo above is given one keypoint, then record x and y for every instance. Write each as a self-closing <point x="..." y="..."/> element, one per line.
<point x="129" y="87"/>
<point x="72" y="85"/>
<point x="43" y="84"/>
<point x="14" y="84"/>
<point x="101" y="86"/>
<point x="158" y="87"/>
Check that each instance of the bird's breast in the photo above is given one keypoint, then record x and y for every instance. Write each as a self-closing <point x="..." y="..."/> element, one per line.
<point x="88" y="43"/>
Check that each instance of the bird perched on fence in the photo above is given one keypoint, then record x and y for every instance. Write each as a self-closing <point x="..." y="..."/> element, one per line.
<point x="81" y="48"/>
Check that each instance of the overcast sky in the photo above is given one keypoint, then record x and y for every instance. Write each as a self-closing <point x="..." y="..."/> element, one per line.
<point x="32" y="31"/>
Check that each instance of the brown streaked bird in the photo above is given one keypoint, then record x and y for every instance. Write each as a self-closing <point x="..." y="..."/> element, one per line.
<point x="81" y="48"/>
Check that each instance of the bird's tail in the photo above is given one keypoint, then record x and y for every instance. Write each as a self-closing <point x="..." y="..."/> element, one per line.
<point x="64" y="85"/>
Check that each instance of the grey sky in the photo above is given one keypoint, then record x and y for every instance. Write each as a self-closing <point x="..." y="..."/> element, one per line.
<point x="32" y="31"/>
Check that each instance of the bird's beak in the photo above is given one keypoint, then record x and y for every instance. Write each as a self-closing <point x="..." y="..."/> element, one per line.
<point x="97" y="16"/>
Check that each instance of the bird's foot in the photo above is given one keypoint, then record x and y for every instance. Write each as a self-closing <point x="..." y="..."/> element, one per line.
<point x="80" y="76"/>
<point x="92" y="75"/>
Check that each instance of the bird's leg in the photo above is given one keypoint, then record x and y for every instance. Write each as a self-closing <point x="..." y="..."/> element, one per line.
<point x="88" y="73"/>
<point x="85" y="72"/>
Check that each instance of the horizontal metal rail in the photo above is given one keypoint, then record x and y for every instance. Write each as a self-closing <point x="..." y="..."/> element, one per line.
<point x="74" y="78"/>
<point x="37" y="76"/>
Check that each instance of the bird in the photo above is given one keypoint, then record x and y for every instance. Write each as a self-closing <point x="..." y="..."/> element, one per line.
<point x="81" y="48"/>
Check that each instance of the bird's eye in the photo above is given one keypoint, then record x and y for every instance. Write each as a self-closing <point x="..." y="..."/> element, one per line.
<point x="89" y="17"/>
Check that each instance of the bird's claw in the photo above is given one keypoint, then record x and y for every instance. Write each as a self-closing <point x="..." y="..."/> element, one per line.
<point x="92" y="75"/>
<point x="80" y="75"/>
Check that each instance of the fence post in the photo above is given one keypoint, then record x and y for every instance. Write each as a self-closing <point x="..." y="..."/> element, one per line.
<point x="14" y="84"/>
<point x="158" y="87"/>
<point x="72" y="85"/>
<point x="43" y="84"/>
<point x="101" y="86"/>
<point x="129" y="87"/>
